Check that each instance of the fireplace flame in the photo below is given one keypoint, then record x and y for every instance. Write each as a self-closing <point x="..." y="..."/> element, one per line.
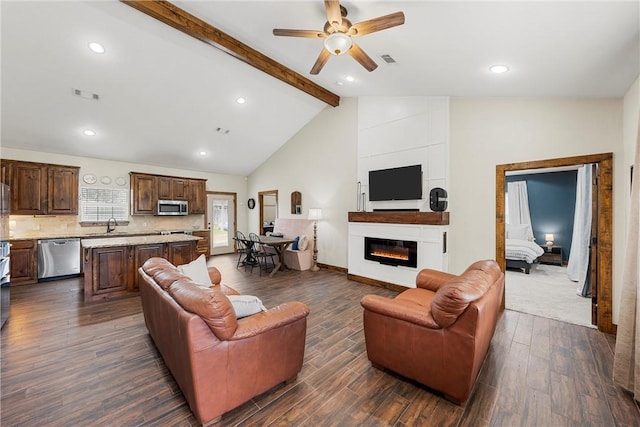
<point x="393" y="255"/>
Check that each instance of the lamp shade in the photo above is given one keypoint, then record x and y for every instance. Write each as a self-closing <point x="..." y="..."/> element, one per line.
<point x="337" y="43"/>
<point x="549" y="239"/>
<point x="315" y="214"/>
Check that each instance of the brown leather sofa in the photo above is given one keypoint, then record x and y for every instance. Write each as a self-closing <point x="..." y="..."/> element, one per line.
<point x="437" y="334"/>
<point x="218" y="361"/>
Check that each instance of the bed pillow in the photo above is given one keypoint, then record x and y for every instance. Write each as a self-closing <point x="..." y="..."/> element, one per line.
<point x="303" y="243"/>
<point x="197" y="271"/>
<point x="519" y="231"/>
<point x="246" y="305"/>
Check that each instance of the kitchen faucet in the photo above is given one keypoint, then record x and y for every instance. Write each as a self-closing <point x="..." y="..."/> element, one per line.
<point x="109" y="229"/>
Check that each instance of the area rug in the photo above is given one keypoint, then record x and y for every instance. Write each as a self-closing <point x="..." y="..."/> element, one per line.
<point x="547" y="292"/>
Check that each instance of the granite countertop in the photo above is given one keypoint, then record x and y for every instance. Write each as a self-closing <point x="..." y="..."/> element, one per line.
<point x="136" y="240"/>
<point x="39" y="234"/>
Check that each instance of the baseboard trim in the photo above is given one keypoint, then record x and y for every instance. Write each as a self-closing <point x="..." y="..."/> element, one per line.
<point x="333" y="268"/>
<point x="375" y="282"/>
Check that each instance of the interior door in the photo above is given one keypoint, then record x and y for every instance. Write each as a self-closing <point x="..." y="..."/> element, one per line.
<point x="221" y="221"/>
<point x="593" y="250"/>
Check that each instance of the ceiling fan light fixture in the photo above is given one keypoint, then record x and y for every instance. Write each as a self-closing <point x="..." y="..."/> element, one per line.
<point x="337" y="43"/>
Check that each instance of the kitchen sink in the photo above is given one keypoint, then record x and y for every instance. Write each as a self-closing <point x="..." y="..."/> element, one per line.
<point x="113" y="233"/>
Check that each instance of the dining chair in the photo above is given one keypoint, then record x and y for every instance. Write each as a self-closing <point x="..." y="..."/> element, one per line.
<point x="261" y="254"/>
<point x="244" y="250"/>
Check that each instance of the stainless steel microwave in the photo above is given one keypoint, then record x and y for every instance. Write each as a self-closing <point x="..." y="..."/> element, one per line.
<point x="172" y="207"/>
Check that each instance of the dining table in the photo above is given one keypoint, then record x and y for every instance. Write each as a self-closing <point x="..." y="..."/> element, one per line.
<point x="279" y="244"/>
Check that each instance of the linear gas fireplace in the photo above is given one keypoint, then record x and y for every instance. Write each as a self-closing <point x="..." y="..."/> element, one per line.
<point x="391" y="252"/>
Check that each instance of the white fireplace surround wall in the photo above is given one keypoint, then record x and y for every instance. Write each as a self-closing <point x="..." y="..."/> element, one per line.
<point x="404" y="131"/>
<point x="431" y="252"/>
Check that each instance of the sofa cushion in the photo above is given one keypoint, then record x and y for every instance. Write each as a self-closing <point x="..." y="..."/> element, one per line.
<point x="211" y="305"/>
<point x="303" y="243"/>
<point x="197" y="271"/>
<point x="454" y="297"/>
<point x="246" y="305"/>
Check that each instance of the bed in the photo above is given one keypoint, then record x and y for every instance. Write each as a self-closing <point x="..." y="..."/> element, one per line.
<point x="521" y="254"/>
<point x="521" y="250"/>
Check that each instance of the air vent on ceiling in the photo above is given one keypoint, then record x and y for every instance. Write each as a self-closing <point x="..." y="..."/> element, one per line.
<point x="388" y="59"/>
<point x="86" y="94"/>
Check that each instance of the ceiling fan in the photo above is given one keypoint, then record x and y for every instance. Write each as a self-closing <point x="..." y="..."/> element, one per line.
<point x="338" y="33"/>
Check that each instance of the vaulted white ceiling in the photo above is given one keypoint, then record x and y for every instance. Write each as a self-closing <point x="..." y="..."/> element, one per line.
<point x="165" y="97"/>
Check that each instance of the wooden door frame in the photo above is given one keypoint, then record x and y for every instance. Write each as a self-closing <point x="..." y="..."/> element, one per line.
<point x="235" y="211"/>
<point x="261" y="195"/>
<point x="605" y="224"/>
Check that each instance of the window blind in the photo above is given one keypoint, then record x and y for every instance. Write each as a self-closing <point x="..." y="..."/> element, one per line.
<point x="100" y="204"/>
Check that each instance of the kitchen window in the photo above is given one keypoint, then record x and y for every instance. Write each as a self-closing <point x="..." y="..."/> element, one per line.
<point x="100" y="204"/>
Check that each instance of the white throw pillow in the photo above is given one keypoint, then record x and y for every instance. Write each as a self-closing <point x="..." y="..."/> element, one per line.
<point x="519" y="231"/>
<point x="246" y="305"/>
<point x="197" y="271"/>
<point x="303" y="243"/>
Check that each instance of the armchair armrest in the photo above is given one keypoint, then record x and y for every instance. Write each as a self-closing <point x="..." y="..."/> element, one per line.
<point x="432" y="279"/>
<point x="283" y="314"/>
<point x="214" y="275"/>
<point x="399" y="309"/>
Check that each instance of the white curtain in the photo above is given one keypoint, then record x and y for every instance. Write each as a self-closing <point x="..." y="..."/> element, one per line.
<point x="626" y="361"/>
<point x="518" y="205"/>
<point x="578" y="266"/>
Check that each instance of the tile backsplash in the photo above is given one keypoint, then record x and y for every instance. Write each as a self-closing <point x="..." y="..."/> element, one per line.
<point x="47" y="225"/>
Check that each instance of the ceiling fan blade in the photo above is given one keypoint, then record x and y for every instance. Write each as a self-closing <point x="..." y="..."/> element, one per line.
<point x="299" y="33"/>
<point x="376" y="24"/>
<point x="358" y="54"/>
<point x="322" y="59"/>
<point x="333" y="12"/>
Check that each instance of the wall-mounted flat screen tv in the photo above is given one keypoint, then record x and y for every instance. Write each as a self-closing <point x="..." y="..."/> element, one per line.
<point x="404" y="183"/>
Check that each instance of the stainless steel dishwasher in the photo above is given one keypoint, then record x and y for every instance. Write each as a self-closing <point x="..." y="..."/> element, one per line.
<point x="58" y="257"/>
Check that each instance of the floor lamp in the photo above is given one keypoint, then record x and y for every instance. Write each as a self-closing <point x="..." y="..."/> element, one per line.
<point x="315" y="215"/>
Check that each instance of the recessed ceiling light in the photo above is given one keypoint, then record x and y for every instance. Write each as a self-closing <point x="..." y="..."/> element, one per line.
<point x="350" y="79"/>
<point x="498" y="69"/>
<point x="339" y="83"/>
<point x="241" y="100"/>
<point x="89" y="132"/>
<point x="96" y="47"/>
<point x="203" y="153"/>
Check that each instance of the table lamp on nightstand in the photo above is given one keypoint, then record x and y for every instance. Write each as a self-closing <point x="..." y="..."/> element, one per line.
<point x="549" y="239"/>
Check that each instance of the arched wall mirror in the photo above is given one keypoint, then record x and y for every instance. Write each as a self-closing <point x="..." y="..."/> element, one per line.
<point x="268" y="201"/>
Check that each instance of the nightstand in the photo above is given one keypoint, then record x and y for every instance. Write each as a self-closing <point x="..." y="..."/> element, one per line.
<point x="551" y="255"/>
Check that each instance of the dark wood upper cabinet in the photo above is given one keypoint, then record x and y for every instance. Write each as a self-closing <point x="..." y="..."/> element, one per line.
<point x="143" y="194"/>
<point x="172" y="188"/>
<point x="28" y="188"/>
<point x="62" y="189"/>
<point x="197" y="196"/>
<point x="40" y="188"/>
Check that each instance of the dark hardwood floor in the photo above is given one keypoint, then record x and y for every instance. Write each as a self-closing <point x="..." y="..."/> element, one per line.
<point x="67" y="363"/>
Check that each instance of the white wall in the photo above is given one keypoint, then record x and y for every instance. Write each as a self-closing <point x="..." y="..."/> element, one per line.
<point x="60" y="223"/>
<point x="320" y="162"/>
<point x="488" y="132"/>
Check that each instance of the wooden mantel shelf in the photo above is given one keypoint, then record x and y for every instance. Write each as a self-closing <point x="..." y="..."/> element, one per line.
<point x="401" y="217"/>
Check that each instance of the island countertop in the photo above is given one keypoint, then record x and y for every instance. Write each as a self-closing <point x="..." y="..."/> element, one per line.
<point x="136" y="240"/>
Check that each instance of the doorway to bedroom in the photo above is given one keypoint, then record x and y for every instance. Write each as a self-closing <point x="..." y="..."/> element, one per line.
<point x="600" y="252"/>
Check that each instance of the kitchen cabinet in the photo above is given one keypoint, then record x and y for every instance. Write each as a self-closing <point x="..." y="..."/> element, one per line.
<point x="172" y="188"/>
<point x="108" y="270"/>
<point x="147" y="189"/>
<point x="179" y="253"/>
<point x="197" y="196"/>
<point x="143" y="194"/>
<point x="141" y="254"/>
<point x="203" y="247"/>
<point x="24" y="262"/>
<point x="62" y="197"/>
<point x="41" y="189"/>
<point x="111" y="263"/>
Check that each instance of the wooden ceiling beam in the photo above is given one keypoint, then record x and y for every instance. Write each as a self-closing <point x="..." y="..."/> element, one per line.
<point x="183" y="21"/>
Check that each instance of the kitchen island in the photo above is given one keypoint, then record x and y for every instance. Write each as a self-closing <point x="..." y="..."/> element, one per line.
<point x="111" y="263"/>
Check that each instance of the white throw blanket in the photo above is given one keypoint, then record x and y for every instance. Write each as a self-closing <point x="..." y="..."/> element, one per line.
<point x="523" y="250"/>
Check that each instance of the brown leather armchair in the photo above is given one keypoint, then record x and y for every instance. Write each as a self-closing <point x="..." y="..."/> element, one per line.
<point x="438" y="333"/>
<point x="218" y="361"/>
